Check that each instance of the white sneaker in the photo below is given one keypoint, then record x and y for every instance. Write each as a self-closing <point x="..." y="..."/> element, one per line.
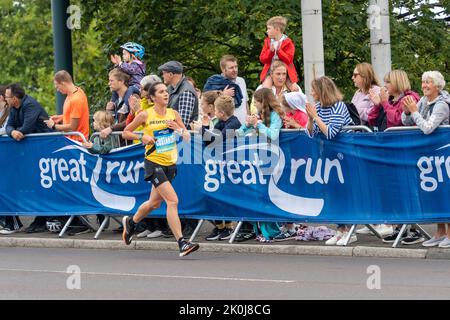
<point x="433" y="242"/>
<point x="7" y="231"/>
<point x="445" y="243"/>
<point x="155" y="234"/>
<point x="341" y="242"/>
<point x="335" y="239"/>
<point x="384" y="230"/>
<point x="143" y="234"/>
<point x="364" y="230"/>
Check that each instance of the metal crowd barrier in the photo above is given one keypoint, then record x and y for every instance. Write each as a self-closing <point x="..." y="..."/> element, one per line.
<point x="72" y="133"/>
<point x="409" y="128"/>
<point x="237" y="228"/>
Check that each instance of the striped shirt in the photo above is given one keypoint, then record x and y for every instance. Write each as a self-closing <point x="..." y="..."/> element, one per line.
<point x="335" y="117"/>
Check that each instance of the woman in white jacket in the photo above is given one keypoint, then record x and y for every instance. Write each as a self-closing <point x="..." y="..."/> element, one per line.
<point x="429" y="113"/>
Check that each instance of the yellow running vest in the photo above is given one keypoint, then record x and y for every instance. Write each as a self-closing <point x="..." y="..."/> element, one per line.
<point x="165" y="151"/>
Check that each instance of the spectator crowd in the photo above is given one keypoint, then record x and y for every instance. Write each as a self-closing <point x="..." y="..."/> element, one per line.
<point x="223" y="109"/>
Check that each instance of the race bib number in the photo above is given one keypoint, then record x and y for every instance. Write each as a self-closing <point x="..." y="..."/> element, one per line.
<point x="165" y="140"/>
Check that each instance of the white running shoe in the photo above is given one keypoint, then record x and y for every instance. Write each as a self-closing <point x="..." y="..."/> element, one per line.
<point x="155" y="234"/>
<point x="335" y="239"/>
<point x="433" y="242"/>
<point x="341" y="242"/>
<point x="384" y="230"/>
<point x="8" y="231"/>
<point x="143" y="234"/>
<point x="364" y="230"/>
<point x="445" y="243"/>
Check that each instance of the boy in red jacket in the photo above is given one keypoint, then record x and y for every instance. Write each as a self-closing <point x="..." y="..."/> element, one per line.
<point x="278" y="46"/>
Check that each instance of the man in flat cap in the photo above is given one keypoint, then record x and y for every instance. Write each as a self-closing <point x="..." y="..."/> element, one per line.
<point x="182" y="98"/>
<point x="182" y="95"/>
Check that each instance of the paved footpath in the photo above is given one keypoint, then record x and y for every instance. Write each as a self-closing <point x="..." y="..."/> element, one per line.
<point x="366" y="246"/>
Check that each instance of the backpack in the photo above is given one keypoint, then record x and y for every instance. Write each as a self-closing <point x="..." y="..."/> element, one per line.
<point x="354" y="114"/>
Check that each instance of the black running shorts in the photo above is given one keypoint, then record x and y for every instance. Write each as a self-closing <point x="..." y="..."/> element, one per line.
<point x="159" y="174"/>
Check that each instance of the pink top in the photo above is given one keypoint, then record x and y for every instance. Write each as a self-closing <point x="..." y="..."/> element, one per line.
<point x="363" y="103"/>
<point x="300" y="117"/>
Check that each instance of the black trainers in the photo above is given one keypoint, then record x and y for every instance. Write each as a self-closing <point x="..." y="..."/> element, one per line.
<point x="225" y="234"/>
<point x="128" y="230"/>
<point x="413" y="238"/>
<point x="284" y="236"/>
<point x="214" y="235"/>
<point x="188" y="247"/>
<point x="392" y="237"/>
<point x="244" y="236"/>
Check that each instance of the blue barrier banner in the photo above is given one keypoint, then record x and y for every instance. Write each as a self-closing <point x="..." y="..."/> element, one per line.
<point x="390" y="177"/>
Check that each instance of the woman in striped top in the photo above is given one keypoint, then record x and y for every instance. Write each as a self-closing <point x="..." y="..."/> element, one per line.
<point x="330" y="114"/>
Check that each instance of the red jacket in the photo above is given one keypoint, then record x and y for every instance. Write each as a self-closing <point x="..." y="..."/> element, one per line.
<point x="285" y="53"/>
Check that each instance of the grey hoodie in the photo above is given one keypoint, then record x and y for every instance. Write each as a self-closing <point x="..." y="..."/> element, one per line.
<point x="428" y="121"/>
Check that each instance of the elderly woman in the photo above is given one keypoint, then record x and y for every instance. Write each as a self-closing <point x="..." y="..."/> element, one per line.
<point x="433" y="108"/>
<point x="429" y="113"/>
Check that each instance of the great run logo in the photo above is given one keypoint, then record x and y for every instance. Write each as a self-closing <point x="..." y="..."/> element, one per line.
<point x="218" y="172"/>
<point x="432" y="170"/>
<point x="75" y="170"/>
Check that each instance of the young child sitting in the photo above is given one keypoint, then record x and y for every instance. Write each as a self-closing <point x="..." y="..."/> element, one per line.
<point x="102" y="120"/>
<point x="294" y="107"/>
<point x="278" y="46"/>
<point x="133" y="65"/>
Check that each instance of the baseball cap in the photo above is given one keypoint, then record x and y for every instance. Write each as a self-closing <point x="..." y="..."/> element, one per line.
<point x="171" y="66"/>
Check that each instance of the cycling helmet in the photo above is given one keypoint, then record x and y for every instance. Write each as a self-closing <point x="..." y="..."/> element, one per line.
<point x="135" y="49"/>
<point x="54" y="226"/>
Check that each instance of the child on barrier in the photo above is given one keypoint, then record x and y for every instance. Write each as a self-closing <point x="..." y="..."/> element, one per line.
<point x="278" y="46"/>
<point x="328" y="117"/>
<point x="102" y="120"/>
<point x="208" y="112"/>
<point x="227" y="124"/>
<point x="294" y="107"/>
<point x="133" y="65"/>
<point x="267" y="122"/>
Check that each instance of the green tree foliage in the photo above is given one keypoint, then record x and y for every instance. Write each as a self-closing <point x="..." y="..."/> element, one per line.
<point x="27" y="51"/>
<point x="199" y="32"/>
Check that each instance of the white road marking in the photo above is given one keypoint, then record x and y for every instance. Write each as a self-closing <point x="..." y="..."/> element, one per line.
<point x="148" y="275"/>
